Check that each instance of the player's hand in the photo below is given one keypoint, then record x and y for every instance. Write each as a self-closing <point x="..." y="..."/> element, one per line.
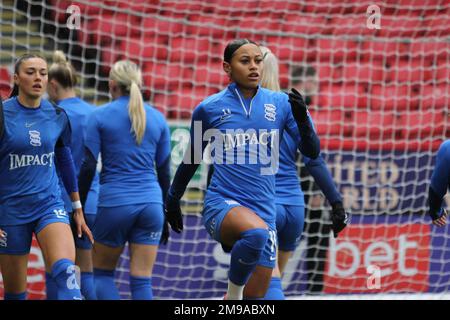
<point x="173" y="213"/>
<point x="165" y="233"/>
<point x="440" y="218"/>
<point x="81" y="226"/>
<point x="339" y="218"/>
<point x="2" y="234"/>
<point x="298" y="106"/>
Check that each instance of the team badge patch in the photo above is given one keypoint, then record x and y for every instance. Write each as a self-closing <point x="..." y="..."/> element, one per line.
<point x="35" y="138"/>
<point x="270" y="112"/>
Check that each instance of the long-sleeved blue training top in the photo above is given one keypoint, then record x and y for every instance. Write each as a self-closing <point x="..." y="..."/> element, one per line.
<point x="78" y="112"/>
<point x="440" y="179"/>
<point x="28" y="180"/>
<point x="288" y="188"/>
<point x="244" y="135"/>
<point x="128" y="170"/>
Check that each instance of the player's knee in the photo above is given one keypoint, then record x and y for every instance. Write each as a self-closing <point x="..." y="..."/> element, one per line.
<point x="256" y="238"/>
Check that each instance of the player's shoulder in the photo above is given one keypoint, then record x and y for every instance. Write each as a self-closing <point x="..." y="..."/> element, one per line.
<point x="154" y="113"/>
<point x="211" y="103"/>
<point x="445" y="147"/>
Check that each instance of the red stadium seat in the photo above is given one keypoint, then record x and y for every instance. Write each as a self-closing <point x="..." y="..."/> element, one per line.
<point x="306" y="25"/>
<point x="363" y="72"/>
<point x="336" y="49"/>
<point x="144" y="49"/>
<point x="350" y="25"/>
<point x="394" y="97"/>
<point x="147" y="6"/>
<point x="437" y="25"/>
<point x="209" y="75"/>
<point x="412" y="72"/>
<point x="106" y="28"/>
<point x="349" y="96"/>
<point x="165" y="75"/>
<point x="5" y="77"/>
<point x="441" y="74"/>
<point x="85" y="9"/>
<point x="183" y="102"/>
<point x="375" y="125"/>
<point x="435" y="97"/>
<point x="430" y="50"/>
<point x="384" y="50"/>
<point x="212" y="26"/>
<point x="331" y="123"/>
<point x="401" y="26"/>
<point x="416" y="7"/>
<point x="291" y="49"/>
<point x="189" y="50"/>
<point x="157" y="25"/>
<point x="423" y="124"/>
<point x="323" y="6"/>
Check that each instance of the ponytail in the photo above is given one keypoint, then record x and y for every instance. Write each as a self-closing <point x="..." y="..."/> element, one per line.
<point x="129" y="78"/>
<point x="14" y="91"/>
<point x="136" y="112"/>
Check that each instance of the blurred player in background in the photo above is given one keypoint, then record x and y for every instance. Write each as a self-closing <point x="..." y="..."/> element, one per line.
<point x="62" y="80"/>
<point x="440" y="181"/>
<point x="35" y="136"/>
<point x="304" y="79"/>
<point x="289" y="195"/>
<point x="239" y="206"/>
<point x="133" y="139"/>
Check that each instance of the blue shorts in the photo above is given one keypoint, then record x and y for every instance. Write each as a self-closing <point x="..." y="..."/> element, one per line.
<point x="215" y="210"/>
<point x="84" y="242"/>
<point x="290" y="222"/>
<point x="18" y="238"/>
<point x="140" y="224"/>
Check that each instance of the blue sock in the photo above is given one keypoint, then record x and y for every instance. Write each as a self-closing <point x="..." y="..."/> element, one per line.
<point x="105" y="288"/>
<point x="87" y="286"/>
<point x="141" y="288"/>
<point x="51" y="289"/>
<point x="275" y="291"/>
<point x="15" y="296"/>
<point x="245" y="254"/>
<point x="64" y="274"/>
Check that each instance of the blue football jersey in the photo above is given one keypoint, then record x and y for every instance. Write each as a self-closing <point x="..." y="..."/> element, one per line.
<point x="288" y="189"/>
<point x="128" y="173"/>
<point x="245" y="136"/>
<point x="440" y="179"/>
<point x="28" y="180"/>
<point x="78" y="112"/>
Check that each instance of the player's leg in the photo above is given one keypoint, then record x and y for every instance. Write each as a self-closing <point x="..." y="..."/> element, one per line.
<point x="14" y="252"/>
<point x="110" y="232"/>
<point x="105" y="260"/>
<point x="144" y="240"/>
<point x="275" y="290"/>
<point x="289" y="236"/>
<point x="83" y="259"/>
<point x="55" y="238"/>
<point x="247" y="234"/>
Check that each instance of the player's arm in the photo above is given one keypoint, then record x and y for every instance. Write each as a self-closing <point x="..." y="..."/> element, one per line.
<point x="163" y="171"/>
<point x="67" y="170"/>
<point x="300" y="124"/>
<point x="439" y="184"/>
<point x="322" y="176"/>
<point x="186" y="169"/>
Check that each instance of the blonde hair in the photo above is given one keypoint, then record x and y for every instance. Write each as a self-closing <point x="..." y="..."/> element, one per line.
<point x="129" y="78"/>
<point x="270" y="73"/>
<point x="62" y="70"/>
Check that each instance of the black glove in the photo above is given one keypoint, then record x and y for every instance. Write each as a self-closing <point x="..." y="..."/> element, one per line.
<point x="165" y="233"/>
<point x="173" y="213"/>
<point x="339" y="217"/>
<point x="298" y="106"/>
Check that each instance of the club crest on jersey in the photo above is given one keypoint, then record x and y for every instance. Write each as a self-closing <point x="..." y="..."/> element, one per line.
<point x="226" y="114"/>
<point x="270" y="112"/>
<point x="35" y="138"/>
